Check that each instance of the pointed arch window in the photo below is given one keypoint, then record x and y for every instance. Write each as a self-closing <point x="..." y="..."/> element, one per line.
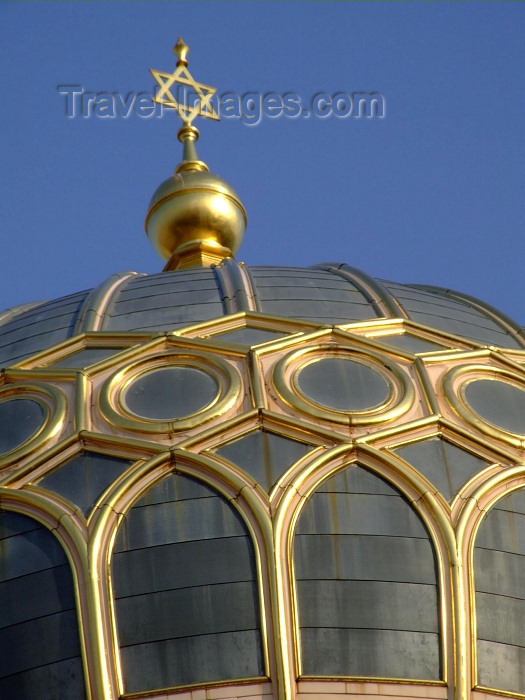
<point x="366" y="582"/>
<point x="37" y="602"/>
<point x="185" y="590"/>
<point x="499" y="574"/>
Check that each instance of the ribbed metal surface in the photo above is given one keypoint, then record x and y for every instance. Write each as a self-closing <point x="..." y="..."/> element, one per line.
<point x="365" y="618"/>
<point x="451" y="316"/>
<point x="328" y="294"/>
<point x="317" y="296"/>
<point x="183" y="569"/>
<point x="39" y="328"/>
<point x="197" y="618"/>
<point x="499" y="569"/>
<point x="166" y="300"/>
<point x="36" y="604"/>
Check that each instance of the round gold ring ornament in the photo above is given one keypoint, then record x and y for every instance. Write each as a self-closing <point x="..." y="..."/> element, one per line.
<point x="491" y="399"/>
<point x="170" y="392"/>
<point x="38" y="412"/>
<point x="343" y="385"/>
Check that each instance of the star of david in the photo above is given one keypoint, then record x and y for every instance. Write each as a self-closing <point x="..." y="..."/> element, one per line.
<point x="201" y="107"/>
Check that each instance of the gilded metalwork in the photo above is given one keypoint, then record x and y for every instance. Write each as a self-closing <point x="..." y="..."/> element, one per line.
<point x="53" y="404"/>
<point x="195" y="219"/>
<point x="400" y="393"/>
<point x="113" y="405"/>
<point x="195" y="215"/>
<point x="270" y="518"/>
<point x="203" y="107"/>
<point x="454" y="384"/>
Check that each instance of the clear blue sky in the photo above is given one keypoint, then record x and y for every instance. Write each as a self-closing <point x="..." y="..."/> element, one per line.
<point x="432" y="193"/>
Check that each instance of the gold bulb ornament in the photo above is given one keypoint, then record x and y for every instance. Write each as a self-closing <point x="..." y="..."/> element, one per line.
<point x="195" y="219"/>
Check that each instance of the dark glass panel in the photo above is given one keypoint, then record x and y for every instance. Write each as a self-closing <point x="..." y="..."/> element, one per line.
<point x="498" y="403"/>
<point x="170" y="393"/>
<point x="499" y="571"/>
<point x="264" y="455"/>
<point x="412" y="343"/>
<point x="250" y="336"/>
<point x="85" y="477"/>
<point x="342" y="384"/>
<point x="19" y="420"/>
<point x="39" y="640"/>
<point x="87" y="356"/>
<point x="448" y="467"/>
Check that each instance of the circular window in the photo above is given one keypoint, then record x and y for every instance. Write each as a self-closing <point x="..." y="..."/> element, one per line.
<point x="30" y="414"/>
<point x="498" y="403"/>
<point x="170" y="393"/>
<point x="20" y="420"/>
<point x="343" y="385"/>
<point x="491" y="399"/>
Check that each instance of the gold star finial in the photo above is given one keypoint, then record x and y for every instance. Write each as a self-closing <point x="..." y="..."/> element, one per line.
<point x="196" y="104"/>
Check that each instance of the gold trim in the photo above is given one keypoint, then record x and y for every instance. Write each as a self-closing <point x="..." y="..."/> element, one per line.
<point x="238" y="426"/>
<point x="42" y="361"/>
<point x="420" y="330"/>
<point x="470" y="519"/>
<point x="83" y="391"/>
<point x="454" y="383"/>
<point x="228" y="484"/>
<point x="54" y="405"/>
<point x="500" y="693"/>
<point x="375" y="679"/>
<point x="112" y="405"/>
<point x="426" y="386"/>
<point x="435" y="518"/>
<point x="257" y="388"/>
<point x="401" y="392"/>
<point x="71" y="533"/>
<point x="214" y="328"/>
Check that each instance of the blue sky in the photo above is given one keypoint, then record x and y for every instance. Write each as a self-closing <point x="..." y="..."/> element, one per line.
<point x="431" y="193"/>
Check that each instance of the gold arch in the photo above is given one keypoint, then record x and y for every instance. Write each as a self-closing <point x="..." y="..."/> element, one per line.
<point x="226" y="482"/>
<point x="424" y="502"/>
<point x="474" y="511"/>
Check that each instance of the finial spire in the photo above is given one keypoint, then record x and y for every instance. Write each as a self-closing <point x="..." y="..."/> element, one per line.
<point x="201" y="106"/>
<point x="195" y="218"/>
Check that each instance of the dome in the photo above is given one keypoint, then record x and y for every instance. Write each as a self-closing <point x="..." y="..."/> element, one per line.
<point x="255" y="482"/>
